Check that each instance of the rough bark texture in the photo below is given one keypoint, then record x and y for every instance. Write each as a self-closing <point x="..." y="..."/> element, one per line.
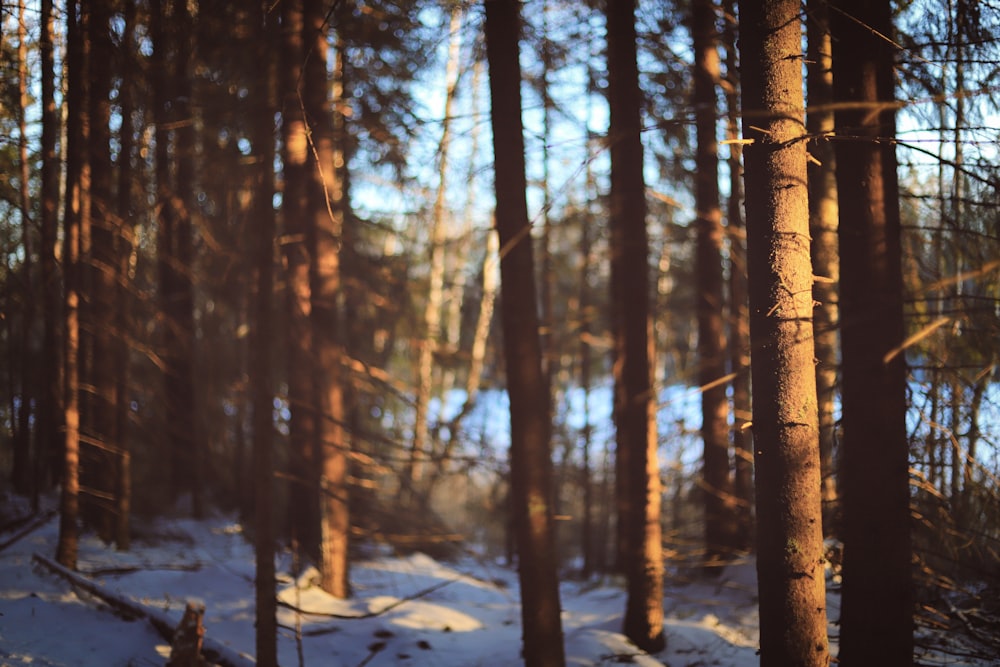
<point x="877" y="611"/>
<point x="635" y="405"/>
<point x="790" y="558"/>
<point x="823" y="220"/>
<point x="530" y="460"/>
<point x="719" y="528"/>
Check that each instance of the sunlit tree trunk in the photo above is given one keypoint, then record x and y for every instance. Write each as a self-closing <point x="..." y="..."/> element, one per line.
<point x="877" y="601"/>
<point x="635" y="404"/>
<point x="790" y="555"/>
<point x="710" y="300"/>
<point x="263" y="28"/>
<point x="530" y="458"/>
<point x="326" y="215"/>
<point x="76" y="207"/>
<point x="823" y="222"/>
<point x="297" y="248"/>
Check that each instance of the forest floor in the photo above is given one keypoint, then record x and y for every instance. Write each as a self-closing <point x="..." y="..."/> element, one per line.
<point x="409" y="610"/>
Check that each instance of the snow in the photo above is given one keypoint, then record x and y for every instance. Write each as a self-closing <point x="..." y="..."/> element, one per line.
<point x="410" y="610"/>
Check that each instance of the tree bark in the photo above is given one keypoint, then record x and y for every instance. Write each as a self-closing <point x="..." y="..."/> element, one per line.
<point x="297" y="243"/>
<point x="638" y="472"/>
<point x="326" y="215"/>
<point x="262" y="28"/>
<point x="530" y="459"/>
<point x="790" y="555"/>
<point x="49" y="441"/>
<point x="719" y="529"/>
<point x="823" y="222"/>
<point x="877" y="606"/>
<point x="739" y="314"/>
<point x="77" y="185"/>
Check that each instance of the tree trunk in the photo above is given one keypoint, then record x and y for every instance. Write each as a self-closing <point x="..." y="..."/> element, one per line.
<point x="530" y="459"/>
<point x="297" y="245"/>
<point x="124" y="306"/>
<point x="823" y="222"/>
<point x="21" y="464"/>
<point x="326" y="215"/>
<point x="790" y="556"/>
<point x="263" y="30"/>
<point x="719" y="529"/>
<point x="78" y="180"/>
<point x="739" y="314"/>
<point x="102" y="457"/>
<point x="635" y="404"/>
<point x="50" y="441"/>
<point x="877" y="607"/>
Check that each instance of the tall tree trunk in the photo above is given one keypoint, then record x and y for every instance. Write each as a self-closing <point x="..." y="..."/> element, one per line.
<point x="823" y="222"/>
<point x="297" y="246"/>
<point x="123" y="243"/>
<point x="326" y="215"/>
<point x="587" y="544"/>
<point x="635" y="404"/>
<point x="719" y="529"/>
<point x="77" y="195"/>
<point x="262" y="28"/>
<point x="790" y="556"/>
<point x="21" y="472"/>
<point x="739" y="313"/>
<point x="877" y="607"/>
<point x="187" y="429"/>
<point x="104" y="283"/>
<point x="49" y="441"/>
<point x="530" y="458"/>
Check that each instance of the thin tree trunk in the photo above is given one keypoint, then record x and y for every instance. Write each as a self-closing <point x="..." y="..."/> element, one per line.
<point x="790" y="555"/>
<point x="635" y="404"/>
<point x="187" y="430"/>
<point x="49" y="441"/>
<point x="261" y="377"/>
<point x="877" y="599"/>
<point x="530" y="458"/>
<point x="823" y="214"/>
<point x="739" y="313"/>
<point x="78" y="182"/>
<point x="123" y="243"/>
<point x="421" y="446"/>
<point x="104" y="282"/>
<point x="719" y="529"/>
<point x="21" y="472"/>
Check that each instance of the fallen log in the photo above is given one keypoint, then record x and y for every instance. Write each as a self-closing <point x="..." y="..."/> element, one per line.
<point x="24" y="526"/>
<point x="212" y="651"/>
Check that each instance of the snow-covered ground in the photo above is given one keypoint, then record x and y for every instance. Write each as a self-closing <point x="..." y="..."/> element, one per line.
<point x="406" y="610"/>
